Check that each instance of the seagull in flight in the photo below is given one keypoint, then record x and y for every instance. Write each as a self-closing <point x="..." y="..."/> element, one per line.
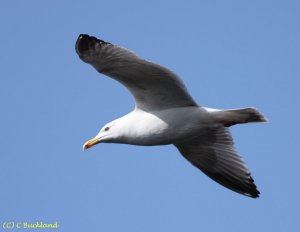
<point x="165" y="113"/>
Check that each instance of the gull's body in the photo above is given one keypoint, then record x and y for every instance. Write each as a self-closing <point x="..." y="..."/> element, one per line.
<point x="165" y="113"/>
<point x="162" y="127"/>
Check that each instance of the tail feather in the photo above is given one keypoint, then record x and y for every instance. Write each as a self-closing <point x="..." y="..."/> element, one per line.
<point x="238" y="116"/>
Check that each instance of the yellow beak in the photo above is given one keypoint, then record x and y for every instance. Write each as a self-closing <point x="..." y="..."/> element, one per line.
<point x="91" y="143"/>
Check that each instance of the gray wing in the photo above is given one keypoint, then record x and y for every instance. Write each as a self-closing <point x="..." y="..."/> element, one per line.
<point x="153" y="86"/>
<point x="214" y="154"/>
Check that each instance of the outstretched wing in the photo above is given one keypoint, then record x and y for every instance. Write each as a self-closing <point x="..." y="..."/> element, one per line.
<point x="153" y="86"/>
<point x="214" y="154"/>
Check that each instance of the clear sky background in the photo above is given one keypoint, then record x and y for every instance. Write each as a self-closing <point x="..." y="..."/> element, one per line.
<point x="230" y="54"/>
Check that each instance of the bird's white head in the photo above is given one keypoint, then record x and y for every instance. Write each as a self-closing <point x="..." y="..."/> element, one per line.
<point x="107" y="134"/>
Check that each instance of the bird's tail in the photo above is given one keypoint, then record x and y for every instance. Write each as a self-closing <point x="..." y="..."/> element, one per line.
<point x="237" y="116"/>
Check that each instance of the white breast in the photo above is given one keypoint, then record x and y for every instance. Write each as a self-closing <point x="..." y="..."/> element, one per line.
<point x="163" y="127"/>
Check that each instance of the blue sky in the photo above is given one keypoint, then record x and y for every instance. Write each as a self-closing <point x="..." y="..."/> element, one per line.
<point x="230" y="54"/>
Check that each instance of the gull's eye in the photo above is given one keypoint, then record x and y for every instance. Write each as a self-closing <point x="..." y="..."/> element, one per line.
<point x="106" y="128"/>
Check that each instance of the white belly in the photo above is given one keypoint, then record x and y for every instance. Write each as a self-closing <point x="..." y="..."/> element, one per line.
<point x="167" y="126"/>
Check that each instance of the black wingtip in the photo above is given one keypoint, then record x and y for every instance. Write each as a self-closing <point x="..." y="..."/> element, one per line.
<point x="81" y="43"/>
<point x="246" y="188"/>
<point x="86" y="42"/>
<point x="254" y="192"/>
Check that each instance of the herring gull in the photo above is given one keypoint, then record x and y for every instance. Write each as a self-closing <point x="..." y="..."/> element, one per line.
<point x="165" y="113"/>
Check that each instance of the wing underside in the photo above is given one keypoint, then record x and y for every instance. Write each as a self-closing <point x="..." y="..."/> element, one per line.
<point x="153" y="86"/>
<point x="214" y="154"/>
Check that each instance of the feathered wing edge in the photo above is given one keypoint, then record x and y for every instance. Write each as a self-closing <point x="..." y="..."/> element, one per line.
<point x="154" y="87"/>
<point x="214" y="154"/>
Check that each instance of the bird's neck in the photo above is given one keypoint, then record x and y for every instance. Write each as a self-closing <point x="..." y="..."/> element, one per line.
<point x="140" y="128"/>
